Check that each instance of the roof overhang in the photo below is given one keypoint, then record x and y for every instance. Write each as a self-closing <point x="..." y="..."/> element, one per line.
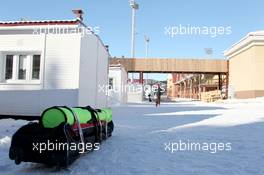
<point x="250" y="40"/>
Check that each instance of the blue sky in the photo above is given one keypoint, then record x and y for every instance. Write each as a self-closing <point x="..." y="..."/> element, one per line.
<point x="114" y="19"/>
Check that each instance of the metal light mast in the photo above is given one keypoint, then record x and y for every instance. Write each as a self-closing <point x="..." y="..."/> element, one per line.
<point x="146" y="44"/>
<point x="134" y="6"/>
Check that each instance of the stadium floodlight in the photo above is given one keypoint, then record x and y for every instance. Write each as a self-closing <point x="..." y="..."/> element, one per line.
<point x="208" y="51"/>
<point x="134" y="6"/>
<point x="147" y="39"/>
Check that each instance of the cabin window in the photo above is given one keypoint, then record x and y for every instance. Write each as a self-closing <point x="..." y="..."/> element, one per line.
<point x="21" y="68"/>
<point x="9" y="67"/>
<point x="36" y="67"/>
<point x="111" y="83"/>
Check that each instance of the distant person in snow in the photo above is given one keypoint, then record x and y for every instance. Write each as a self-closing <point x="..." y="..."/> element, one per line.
<point x="149" y="99"/>
<point x="158" y="94"/>
<point x="148" y="94"/>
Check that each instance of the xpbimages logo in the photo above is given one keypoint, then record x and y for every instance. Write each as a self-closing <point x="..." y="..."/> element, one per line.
<point x="211" y="31"/>
<point x="212" y="147"/>
<point x="130" y="88"/>
<point x="59" y="146"/>
<point x="56" y="29"/>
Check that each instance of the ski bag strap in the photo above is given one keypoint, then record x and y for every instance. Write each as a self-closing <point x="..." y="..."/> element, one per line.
<point x="78" y="123"/>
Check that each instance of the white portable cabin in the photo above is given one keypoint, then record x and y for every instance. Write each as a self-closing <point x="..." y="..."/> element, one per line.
<point x="50" y="63"/>
<point x="117" y="85"/>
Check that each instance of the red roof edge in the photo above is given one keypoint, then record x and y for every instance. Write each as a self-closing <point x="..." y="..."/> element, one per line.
<point x="38" y="23"/>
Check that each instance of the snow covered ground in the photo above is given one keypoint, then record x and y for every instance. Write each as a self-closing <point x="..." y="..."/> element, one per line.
<point x="146" y="141"/>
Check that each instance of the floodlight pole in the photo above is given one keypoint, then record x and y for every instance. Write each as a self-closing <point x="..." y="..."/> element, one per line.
<point x="146" y="45"/>
<point x="134" y="6"/>
<point x="133" y="34"/>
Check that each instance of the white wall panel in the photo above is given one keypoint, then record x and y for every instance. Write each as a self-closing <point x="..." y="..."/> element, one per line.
<point x="62" y="61"/>
<point x="33" y="102"/>
<point x="93" y="72"/>
<point x="21" y="42"/>
<point x="88" y="71"/>
<point x="102" y="75"/>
